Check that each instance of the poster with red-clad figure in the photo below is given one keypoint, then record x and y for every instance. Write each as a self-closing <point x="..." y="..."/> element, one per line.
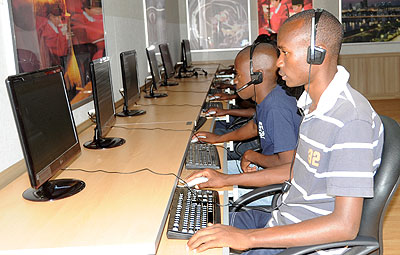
<point x="272" y="13"/>
<point x="69" y="33"/>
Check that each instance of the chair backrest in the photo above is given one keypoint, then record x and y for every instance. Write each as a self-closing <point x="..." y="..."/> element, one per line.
<point x="386" y="181"/>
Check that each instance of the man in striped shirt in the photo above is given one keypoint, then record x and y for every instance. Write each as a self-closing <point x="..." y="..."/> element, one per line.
<point x="340" y="145"/>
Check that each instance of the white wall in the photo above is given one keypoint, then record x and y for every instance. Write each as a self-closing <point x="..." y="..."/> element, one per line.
<point x="10" y="149"/>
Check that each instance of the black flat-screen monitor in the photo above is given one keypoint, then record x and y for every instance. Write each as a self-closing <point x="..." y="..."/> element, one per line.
<point x="167" y="60"/>
<point x="130" y="83"/>
<point x="103" y="105"/>
<point x="186" y="58"/>
<point x="187" y="55"/>
<point x="155" y="73"/>
<point x="169" y="70"/>
<point x="46" y="130"/>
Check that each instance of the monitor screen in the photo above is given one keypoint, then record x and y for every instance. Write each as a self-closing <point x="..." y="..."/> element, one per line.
<point x="130" y="77"/>
<point x="155" y="73"/>
<point x="167" y="61"/>
<point x="102" y="95"/>
<point x="103" y="105"/>
<point x="45" y="123"/>
<point x="187" y="53"/>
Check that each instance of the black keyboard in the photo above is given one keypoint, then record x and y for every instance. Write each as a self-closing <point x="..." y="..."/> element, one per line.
<point x="202" y="155"/>
<point x="191" y="210"/>
<point x="211" y="104"/>
<point x="199" y="123"/>
<point x="214" y="91"/>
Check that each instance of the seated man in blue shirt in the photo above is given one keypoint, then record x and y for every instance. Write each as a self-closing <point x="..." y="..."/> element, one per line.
<point x="276" y="120"/>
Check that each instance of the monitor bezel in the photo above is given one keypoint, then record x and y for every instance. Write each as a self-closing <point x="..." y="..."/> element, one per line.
<point x="129" y="100"/>
<point x="38" y="178"/>
<point x="166" y="60"/>
<point x="102" y="128"/>
<point x="187" y="52"/>
<point x="153" y="64"/>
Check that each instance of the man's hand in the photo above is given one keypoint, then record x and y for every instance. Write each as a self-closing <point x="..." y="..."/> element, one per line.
<point x="216" y="236"/>
<point x="209" y="137"/>
<point x="215" y="179"/>
<point x="247" y="160"/>
<point x="224" y="96"/>
<point x="218" y="111"/>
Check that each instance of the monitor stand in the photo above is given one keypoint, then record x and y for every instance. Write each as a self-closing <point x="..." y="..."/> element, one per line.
<point x="128" y="113"/>
<point x="153" y="94"/>
<point x="168" y="83"/>
<point x="104" y="143"/>
<point x="54" y="190"/>
<point x="99" y="142"/>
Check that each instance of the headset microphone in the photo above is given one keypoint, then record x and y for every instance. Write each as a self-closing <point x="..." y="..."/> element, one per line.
<point x="245" y="86"/>
<point x="256" y="77"/>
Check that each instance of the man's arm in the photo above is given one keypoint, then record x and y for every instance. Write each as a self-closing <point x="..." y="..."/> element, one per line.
<point x="265" y="161"/>
<point x="342" y="224"/>
<point x="262" y="178"/>
<point x="249" y="112"/>
<point x="245" y="132"/>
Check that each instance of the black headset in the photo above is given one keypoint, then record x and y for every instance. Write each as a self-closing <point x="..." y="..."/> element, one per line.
<point x="256" y="77"/>
<point x="315" y="54"/>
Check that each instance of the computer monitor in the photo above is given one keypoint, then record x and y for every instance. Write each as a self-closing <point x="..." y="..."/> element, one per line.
<point x="131" y="91"/>
<point x="186" y="54"/>
<point x="155" y="73"/>
<point x="169" y="70"/>
<point x="186" y="58"/>
<point x="103" y="105"/>
<point x="47" y="132"/>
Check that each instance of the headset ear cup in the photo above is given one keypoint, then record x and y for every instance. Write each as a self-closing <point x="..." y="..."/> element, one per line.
<point x="309" y="61"/>
<point x="319" y="55"/>
<point x="257" y="77"/>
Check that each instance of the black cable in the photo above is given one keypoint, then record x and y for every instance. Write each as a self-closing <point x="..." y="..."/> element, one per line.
<point x="151" y="129"/>
<point x="135" y="172"/>
<point x="190" y="91"/>
<point x="191" y="105"/>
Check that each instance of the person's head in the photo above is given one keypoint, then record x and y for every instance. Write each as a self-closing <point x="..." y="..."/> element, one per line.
<point x="275" y="3"/>
<point x="54" y="14"/>
<point x="294" y="40"/>
<point x="263" y="38"/>
<point x="264" y="61"/>
<point x="297" y="5"/>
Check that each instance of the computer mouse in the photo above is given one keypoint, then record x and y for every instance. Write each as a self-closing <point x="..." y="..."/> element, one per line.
<point x="196" y="138"/>
<point x="197" y="181"/>
<point x="214" y="97"/>
<point x="210" y="113"/>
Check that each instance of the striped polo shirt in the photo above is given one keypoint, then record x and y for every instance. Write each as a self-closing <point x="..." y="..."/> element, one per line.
<point x="339" y="151"/>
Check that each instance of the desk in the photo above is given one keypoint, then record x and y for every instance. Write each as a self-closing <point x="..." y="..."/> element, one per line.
<point x="115" y="213"/>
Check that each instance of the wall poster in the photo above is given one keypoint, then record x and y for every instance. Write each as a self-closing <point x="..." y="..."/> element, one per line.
<point x="272" y="13"/>
<point x="371" y="20"/>
<point x="68" y="33"/>
<point x="218" y="24"/>
<point x="156" y="24"/>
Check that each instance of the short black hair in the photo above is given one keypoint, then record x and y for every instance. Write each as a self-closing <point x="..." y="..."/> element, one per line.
<point x="329" y="29"/>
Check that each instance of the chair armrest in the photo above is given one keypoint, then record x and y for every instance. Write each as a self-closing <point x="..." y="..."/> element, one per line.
<point x="255" y="195"/>
<point x="361" y="245"/>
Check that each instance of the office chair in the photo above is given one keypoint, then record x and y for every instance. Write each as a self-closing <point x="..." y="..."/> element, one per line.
<point x="386" y="181"/>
